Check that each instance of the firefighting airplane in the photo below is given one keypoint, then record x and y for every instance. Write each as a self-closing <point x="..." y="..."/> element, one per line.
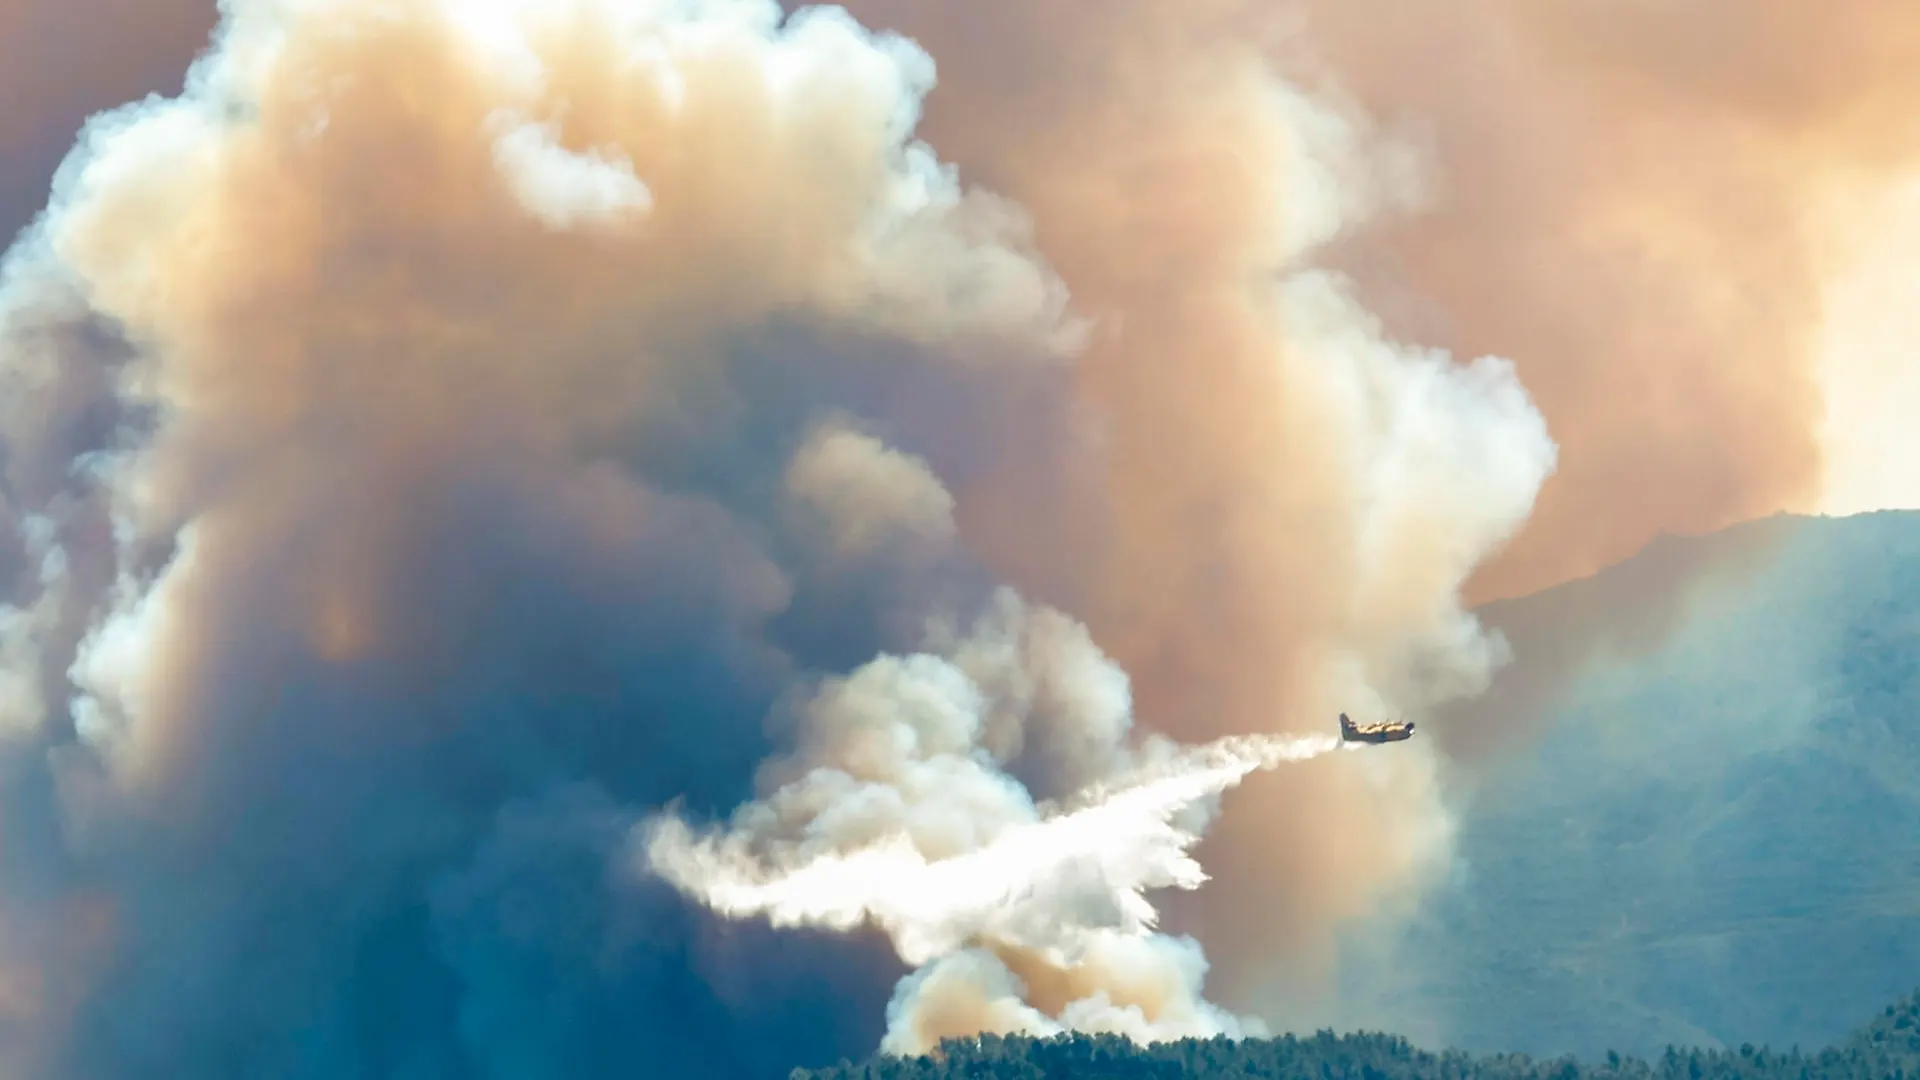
<point x="1384" y="732"/>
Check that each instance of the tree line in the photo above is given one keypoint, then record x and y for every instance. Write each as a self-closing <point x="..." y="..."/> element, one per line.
<point x="1888" y="1048"/>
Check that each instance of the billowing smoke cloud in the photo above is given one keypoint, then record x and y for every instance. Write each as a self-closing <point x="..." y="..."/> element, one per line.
<point x="398" y="440"/>
<point x="450" y="433"/>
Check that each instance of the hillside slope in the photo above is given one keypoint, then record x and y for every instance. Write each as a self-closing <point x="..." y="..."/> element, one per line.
<point x="1709" y="837"/>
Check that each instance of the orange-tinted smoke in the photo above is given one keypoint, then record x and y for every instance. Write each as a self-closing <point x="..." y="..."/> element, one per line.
<point x="1634" y="209"/>
<point x="1218" y="559"/>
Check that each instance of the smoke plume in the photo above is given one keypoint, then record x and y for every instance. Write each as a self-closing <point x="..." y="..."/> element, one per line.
<point x="573" y="537"/>
<point x="397" y="436"/>
<point x="446" y="432"/>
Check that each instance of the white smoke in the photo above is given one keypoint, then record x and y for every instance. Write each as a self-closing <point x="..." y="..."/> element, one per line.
<point x="895" y="813"/>
<point x="565" y="189"/>
<point x="1139" y="986"/>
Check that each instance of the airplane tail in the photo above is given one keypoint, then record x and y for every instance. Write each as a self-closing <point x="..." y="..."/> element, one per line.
<point x="1346" y="726"/>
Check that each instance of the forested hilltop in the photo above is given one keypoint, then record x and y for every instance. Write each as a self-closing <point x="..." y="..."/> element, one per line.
<point x="1886" y="1049"/>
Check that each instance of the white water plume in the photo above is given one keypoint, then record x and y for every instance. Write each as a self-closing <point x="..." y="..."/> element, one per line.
<point x="1044" y="885"/>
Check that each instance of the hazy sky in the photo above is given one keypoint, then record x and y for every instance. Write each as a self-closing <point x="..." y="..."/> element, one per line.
<point x="1870" y="353"/>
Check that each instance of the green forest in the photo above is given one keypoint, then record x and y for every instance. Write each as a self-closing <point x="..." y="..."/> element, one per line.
<point x="1886" y="1049"/>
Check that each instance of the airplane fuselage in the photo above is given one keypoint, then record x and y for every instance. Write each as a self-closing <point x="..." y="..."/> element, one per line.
<point x="1384" y="732"/>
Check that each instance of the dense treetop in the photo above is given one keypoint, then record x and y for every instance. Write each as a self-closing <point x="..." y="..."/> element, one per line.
<point x="1886" y="1049"/>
